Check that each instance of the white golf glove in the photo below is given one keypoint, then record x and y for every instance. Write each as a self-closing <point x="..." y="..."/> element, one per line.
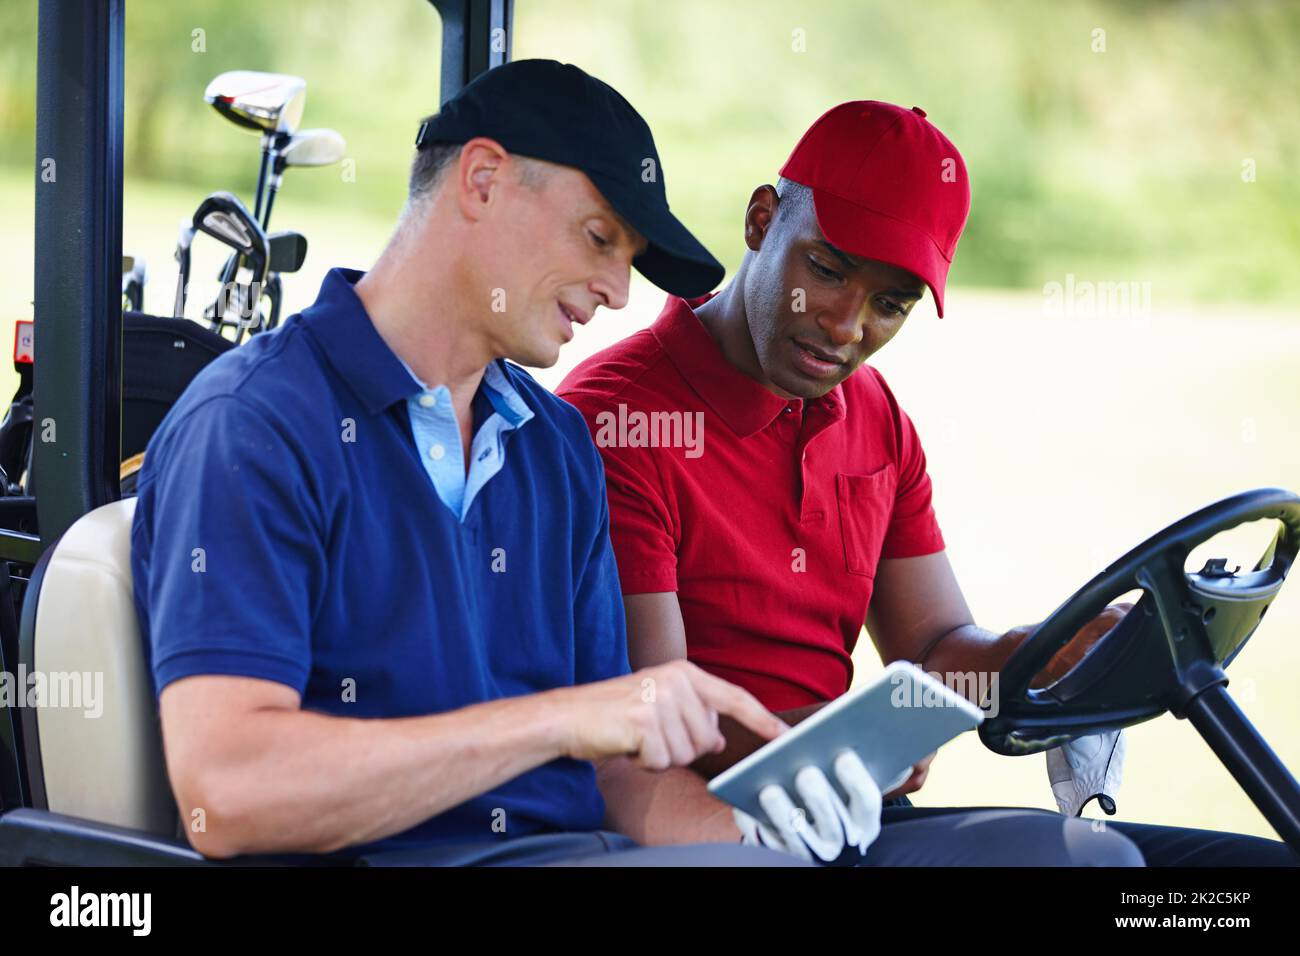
<point x="822" y="826"/>
<point x="1085" y="768"/>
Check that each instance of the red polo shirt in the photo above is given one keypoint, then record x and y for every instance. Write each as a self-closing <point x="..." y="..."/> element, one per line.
<point x="769" y="528"/>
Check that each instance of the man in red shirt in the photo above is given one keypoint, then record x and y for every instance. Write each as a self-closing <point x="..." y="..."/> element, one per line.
<point x="767" y="493"/>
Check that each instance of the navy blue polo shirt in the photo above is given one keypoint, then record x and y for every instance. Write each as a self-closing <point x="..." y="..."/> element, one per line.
<point x="287" y="529"/>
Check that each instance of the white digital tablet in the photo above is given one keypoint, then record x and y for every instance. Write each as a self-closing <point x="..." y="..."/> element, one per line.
<point x="893" y="722"/>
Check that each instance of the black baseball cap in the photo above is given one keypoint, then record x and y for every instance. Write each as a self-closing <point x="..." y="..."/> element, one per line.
<point x="555" y="112"/>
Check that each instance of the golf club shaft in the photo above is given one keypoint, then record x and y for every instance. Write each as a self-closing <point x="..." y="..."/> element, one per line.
<point x="267" y="149"/>
<point x="270" y="201"/>
<point x="227" y="277"/>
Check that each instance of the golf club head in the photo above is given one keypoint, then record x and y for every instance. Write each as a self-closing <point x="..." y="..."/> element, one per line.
<point x="135" y="273"/>
<point x="136" y="268"/>
<point x="288" y="251"/>
<point x="312" y="147"/>
<point x="263" y="102"/>
<point x="225" y="218"/>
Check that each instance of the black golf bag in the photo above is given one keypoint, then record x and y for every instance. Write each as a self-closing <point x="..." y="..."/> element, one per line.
<point x="161" y="355"/>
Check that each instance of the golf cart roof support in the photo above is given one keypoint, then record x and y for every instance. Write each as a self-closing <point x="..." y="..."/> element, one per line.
<point x="78" y="377"/>
<point x="470" y="42"/>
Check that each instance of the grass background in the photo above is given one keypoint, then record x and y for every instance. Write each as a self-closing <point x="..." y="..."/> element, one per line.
<point x="1054" y="443"/>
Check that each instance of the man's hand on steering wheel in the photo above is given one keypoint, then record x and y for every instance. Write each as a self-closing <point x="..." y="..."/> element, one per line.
<point x="1068" y="656"/>
<point x="1090" y="767"/>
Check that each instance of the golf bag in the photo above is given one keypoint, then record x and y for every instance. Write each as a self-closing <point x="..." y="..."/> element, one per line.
<point x="160" y="357"/>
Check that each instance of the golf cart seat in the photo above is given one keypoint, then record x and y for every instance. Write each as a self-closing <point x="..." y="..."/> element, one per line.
<point x="97" y="787"/>
<point x="94" y="750"/>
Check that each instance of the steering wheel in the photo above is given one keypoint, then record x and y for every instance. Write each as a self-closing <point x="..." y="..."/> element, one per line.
<point x="1169" y="649"/>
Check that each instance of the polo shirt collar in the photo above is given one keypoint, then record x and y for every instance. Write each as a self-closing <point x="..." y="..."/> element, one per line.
<point x="500" y="390"/>
<point x="504" y="396"/>
<point x="338" y="320"/>
<point x="353" y="346"/>
<point x="745" y="405"/>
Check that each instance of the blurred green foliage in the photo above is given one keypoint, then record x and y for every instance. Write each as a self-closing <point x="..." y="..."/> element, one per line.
<point x="1118" y="165"/>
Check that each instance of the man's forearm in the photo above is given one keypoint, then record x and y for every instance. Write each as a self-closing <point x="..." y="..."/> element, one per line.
<point x="662" y="807"/>
<point x="969" y="649"/>
<point x="299" y="781"/>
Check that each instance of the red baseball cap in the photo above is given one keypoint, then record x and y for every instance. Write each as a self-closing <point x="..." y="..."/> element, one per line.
<point x="886" y="185"/>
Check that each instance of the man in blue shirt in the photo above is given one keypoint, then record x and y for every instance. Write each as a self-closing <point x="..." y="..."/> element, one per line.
<point x="371" y="557"/>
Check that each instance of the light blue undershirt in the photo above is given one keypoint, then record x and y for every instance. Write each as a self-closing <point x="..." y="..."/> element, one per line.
<point x="437" y="436"/>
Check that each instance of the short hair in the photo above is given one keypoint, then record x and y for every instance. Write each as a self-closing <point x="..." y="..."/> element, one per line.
<point x="794" y="197"/>
<point x="432" y="163"/>
<point x="429" y="166"/>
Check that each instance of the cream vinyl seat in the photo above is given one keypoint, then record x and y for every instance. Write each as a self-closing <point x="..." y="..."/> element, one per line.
<point x="98" y="747"/>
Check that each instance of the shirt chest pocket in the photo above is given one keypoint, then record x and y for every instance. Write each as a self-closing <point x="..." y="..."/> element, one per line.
<point x="865" y="505"/>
